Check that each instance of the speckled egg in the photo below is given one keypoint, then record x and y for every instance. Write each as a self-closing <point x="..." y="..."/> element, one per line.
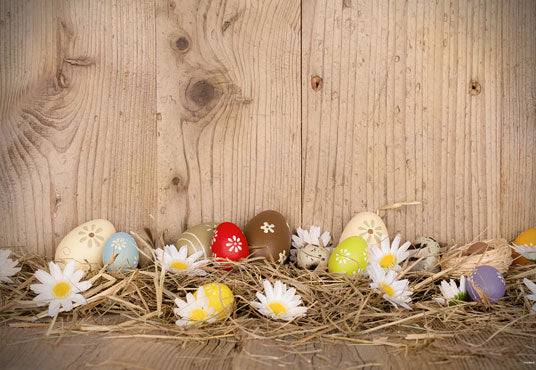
<point x="85" y="244"/>
<point x="486" y="282"/>
<point x="126" y="249"/>
<point x="198" y="238"/>
<point x="350" y="257"/>
<point x="268" y="236"/>
<point x="220" y="297"/>
<point x="228" y="242"/>
<point x="427" y="248"/>
<point x="312" y="257"/>
<point x="366" y="225"/>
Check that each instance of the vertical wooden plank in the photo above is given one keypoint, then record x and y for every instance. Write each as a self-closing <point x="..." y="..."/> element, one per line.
<point x="228" y="75"/>
<point x="518" y="117"/>
<point x="414" y="128"/>
<point x="78" y="135"/>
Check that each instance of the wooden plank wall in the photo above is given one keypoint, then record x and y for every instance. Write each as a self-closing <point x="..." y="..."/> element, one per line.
<point x="166" y="113"/>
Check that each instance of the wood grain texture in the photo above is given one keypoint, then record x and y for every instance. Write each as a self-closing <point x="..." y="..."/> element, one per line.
<point x="77" y="118"/>
<point x="28" y="348"/>
<point x="421" y="100"/>
<point x="195" y="111"/>
<point x="228" y="86"/>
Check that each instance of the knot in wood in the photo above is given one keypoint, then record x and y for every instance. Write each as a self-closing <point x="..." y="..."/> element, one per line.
<point x="474" y="88"/>
<point x="201" y="93"/>
<point x="182" y="43"/>
<point x="316" y="82"/>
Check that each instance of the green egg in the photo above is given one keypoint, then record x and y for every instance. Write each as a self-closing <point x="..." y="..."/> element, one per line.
<point x="350" y="257"/>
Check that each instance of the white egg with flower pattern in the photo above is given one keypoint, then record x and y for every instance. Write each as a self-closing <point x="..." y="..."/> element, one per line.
<point x="366" y="225"/>
<point x="85" y="244"/>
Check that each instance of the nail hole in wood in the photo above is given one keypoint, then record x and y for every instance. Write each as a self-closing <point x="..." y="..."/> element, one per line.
<point x="474" y="88"/>
<point x="175" y="181"/>
<point x="316" y="83"/>
<point x="182" y="43"/>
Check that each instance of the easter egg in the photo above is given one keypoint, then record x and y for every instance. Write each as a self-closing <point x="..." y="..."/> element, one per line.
<point x="268" y="236"/>
<point x="350" y="257"/>
<point x="486" y="282"/>
<point x="126" y="249"/>
<point x="427" y="248"/>
<point x="312" y="257"/>
<point x="228" y="242"/>
<point x="366" y="225"/>
<point x="198" y="238"/>
<point x="527" y="239"/>
<point x="85" y="244"/>
<point x="220" y="297"/>
<point x="476" y="248"/>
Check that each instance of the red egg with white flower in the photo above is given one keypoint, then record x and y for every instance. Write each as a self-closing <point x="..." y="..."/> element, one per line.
<point x="228" y="242"/>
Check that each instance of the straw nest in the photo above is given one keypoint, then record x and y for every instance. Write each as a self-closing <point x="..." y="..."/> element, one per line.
<point x="338" y="307"/>
<point x="459" y="260"/>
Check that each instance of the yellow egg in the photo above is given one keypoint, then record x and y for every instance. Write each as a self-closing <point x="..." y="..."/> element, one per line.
<point x="220" y="297"/>
<point x="350" y="257"/>
<point x="528" y="239"/>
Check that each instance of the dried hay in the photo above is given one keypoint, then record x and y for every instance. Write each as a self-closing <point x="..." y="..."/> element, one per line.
<point x="497" y="254"/>
<point x="339" y="308"/>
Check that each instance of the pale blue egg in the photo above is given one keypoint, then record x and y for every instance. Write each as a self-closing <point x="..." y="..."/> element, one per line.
<point x="124" y="246"/>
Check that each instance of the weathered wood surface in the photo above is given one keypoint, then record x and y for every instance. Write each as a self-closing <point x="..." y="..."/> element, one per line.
<point x="200" y="110"/>
<point x="29" y="349"/>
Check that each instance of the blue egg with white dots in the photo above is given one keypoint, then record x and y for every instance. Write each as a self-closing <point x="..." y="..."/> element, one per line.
<point x="126" y="249"/>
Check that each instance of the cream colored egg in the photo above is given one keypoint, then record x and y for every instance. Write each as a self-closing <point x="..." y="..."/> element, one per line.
<point x="366" y="225"/>
<point x="85" y="244"/>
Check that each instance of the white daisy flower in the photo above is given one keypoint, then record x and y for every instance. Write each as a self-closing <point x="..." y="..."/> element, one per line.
<point x="194" y="310"/>
<point x="390" y="257"/>
<point x="526" y="250"/>
<point x="532" y="297"/>
<point x="179" y="262"/>
<point x="60" y="288"/>
<point x="305" y="237"/>
<point x="384" y="282"/>
<point x="451" y="292"/>
<point x="279" y="303"/>
<point x="7" y="266"/>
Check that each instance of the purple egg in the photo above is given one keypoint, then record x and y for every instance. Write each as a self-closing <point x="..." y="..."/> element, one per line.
<point x="486" y="281"/>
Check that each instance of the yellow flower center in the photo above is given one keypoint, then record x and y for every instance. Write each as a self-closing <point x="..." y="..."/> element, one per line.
<point x="198" y="315"/>
<point x="388" y="261"/>
<point x="61" y="289"/>
<point x="179" y="265"/>
<point x="388" y="290"/>
<point x="277" y="308"/>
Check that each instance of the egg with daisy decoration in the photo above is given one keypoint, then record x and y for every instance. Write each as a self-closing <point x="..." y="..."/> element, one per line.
<point x="178" y="261"/>
<point x="220" y="298"/>
<point x="228" y="242"/>
<point x="85" y="244"/>
<point x="366" y="225"/>
<point x="268" y="236"/>
<point x="524" y="248"/>
<point x="278" y="302"/>
<point x="126" y="249"/>
<point x="350" y="257"/>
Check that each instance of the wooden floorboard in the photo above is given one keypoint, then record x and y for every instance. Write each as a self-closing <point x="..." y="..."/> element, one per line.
<point x="31" y="349"/>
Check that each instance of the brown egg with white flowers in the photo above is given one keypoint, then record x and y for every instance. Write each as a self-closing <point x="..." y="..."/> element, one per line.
<point x="268" y="236"/>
